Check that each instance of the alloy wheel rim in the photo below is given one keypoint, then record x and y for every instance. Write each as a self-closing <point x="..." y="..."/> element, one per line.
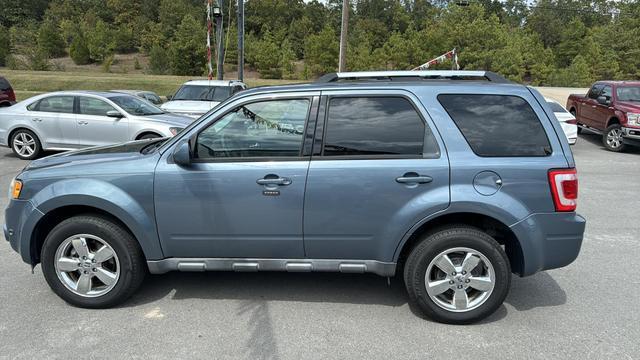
<point x="460" y="279"/>
<point x="24" y="144"/>
<point x="614" y="138"/>
<point x="87" y="265"/>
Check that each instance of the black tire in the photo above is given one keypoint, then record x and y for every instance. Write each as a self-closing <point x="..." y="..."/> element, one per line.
<point x="458" y="236"/>
<point x="149" y="136"/>
<point x="20" y="135"/>
<point x="611" y="145"/>
<point x="126" y="248"/>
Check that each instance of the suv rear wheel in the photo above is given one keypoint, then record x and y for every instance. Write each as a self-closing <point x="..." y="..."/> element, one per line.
<point x="92" y="262"/>
<point x="612" y="138"/>
<point x="457" y="275"/>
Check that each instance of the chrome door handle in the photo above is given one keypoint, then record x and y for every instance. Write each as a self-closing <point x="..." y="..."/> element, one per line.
<point x="83" y="123"/>
<point x="274" y="181"/>
<point x="414" y="178"/>
<point x="37" y="119"/>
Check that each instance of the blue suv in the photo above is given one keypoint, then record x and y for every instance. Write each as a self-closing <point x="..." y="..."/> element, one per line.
<point x="451" y="179"/>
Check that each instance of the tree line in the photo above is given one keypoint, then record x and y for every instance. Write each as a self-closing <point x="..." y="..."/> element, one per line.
<point x="552" y="42"/>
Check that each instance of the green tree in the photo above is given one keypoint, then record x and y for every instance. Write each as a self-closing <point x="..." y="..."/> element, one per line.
<point x="5" y="45"/>
<point x="187" y="51"/>
<point x="100" y="41"/>
<point x="265" y="56"/>
<point x="158" y="60"/>
<point x="79" y="51"/>
<point x="287" y="60"/>
<point x="50" y="40"/>
<point x="321" y="52"/>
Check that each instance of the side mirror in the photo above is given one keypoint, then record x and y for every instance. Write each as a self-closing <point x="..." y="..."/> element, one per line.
<point x="603" y="100"/>
<point x="182" y="154"/>
<point x="114" y="114"/>
<point x="169" y="97"/>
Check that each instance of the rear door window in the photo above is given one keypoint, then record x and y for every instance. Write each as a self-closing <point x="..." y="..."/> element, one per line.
<point x="56" y="104"/>
<point x="376" y="127"/>
<point x="497" y="125"/>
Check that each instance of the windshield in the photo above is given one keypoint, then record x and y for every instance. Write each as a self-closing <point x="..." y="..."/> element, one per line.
<point x="555" y="107"/>
<point x="203" y="93"/>
<point x="628" y="93"/>
<point x="136" y="106"/>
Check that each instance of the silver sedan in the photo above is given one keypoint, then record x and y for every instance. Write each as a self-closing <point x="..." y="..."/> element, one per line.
<point x="76" y="119"/>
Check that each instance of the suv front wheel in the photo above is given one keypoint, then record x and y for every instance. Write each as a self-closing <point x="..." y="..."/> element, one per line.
<point x="457" y="275"/>
<point x="92" y="262"/>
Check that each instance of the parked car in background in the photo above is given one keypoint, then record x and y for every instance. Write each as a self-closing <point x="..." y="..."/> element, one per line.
<point x="612" y="109"/>
<point x="197" y="97"/>
<point x="147" y="95"/>
<point x="455" y="199"/>
<point x="566" y="119"/>
<point x="75" y="119"/>
<point x="7" y="96"/>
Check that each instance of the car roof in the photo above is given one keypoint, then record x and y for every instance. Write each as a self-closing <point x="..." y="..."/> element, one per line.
<point x="106" y="94"/>
<point x="214" y="82"/>
<point x="618" y="82"/>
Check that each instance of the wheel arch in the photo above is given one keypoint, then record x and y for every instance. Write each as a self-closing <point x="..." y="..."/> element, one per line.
<point x="13" y="130"/>
<point x="52" y="218"/>
<point x="147" y="132"/>
<point x="612" y="120"/>
<point x="71" y="197"/>
<point x="488" y="224"/>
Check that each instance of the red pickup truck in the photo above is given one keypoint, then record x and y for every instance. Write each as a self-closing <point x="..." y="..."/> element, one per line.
<point x="612" y="109"/>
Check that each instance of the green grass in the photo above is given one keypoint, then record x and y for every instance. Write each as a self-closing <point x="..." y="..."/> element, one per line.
<point x="30" y="83"/>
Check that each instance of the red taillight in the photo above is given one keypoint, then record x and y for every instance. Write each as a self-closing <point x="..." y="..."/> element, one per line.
<point x="12" y="95"/>
<point x="572" y="122"/>
<point x="564" y="189"/>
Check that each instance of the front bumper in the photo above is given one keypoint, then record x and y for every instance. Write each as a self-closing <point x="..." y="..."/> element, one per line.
<point x="21" y="218"/>
<point x="549" y="240"/>
<point x="631" y="136"/>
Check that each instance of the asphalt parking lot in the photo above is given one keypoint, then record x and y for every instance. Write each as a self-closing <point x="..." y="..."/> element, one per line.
<point x="588" y="310"/>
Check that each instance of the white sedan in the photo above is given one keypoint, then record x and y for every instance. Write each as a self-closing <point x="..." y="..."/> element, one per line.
<point x="566" y="119"/>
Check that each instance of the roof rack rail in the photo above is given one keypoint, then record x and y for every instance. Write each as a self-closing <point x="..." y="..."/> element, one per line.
<point x="413" y="76"/>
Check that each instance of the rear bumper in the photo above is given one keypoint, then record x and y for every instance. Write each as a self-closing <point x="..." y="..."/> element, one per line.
<point x="21" y="218"/>
<point x="549" y="240"/>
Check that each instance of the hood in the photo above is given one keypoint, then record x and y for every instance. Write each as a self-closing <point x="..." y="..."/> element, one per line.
<point x="171" y="119"/>
<point x="99" y="154"/>
<point x="189" y="106"/>
<point x="628" y="106"/>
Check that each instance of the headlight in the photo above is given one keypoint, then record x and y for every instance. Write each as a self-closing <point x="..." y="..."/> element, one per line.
<point x="633" y="119"/>
<point x="15" y="188"/>
<point x="175" y="130"/>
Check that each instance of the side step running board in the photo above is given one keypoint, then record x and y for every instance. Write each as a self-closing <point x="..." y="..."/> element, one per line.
<point x="590" y="129"/>
<point x="289" y="265"/>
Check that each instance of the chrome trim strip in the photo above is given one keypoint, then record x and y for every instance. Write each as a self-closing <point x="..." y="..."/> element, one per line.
<point x="290" y="265"/>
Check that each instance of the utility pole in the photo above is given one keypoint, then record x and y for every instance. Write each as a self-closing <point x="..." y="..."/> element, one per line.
<point x="344" y="29"/>
<point x="219" y="30"/>
<point x="241" y="40"/>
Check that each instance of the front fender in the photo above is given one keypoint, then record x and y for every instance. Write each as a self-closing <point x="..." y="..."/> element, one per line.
<point x="109" y="198"/>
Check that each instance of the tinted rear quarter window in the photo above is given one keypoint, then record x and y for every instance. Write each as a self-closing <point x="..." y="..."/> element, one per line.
<point x="497" y="125"/>
<point x="555" y="107"/>
<point x="4" y="84"/>
<point x="376" y="126"/>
